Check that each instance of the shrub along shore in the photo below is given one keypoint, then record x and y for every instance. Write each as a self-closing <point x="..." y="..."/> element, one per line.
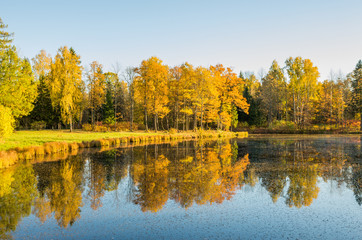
<point x="38" y="144"/>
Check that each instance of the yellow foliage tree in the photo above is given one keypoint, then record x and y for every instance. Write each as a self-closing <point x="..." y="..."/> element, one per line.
<point x="66" y="85"/>
<point x="41" y="64"/>
<point x="18" y="90"/>
<point x="6" y="122"/>
<point x="303" y="83"/>
<point x="152" y="88"/>
<point x="229" y="87"/>
<point x="97" y="88"/>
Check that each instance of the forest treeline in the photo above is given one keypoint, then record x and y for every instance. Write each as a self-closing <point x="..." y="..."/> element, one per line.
<point x="55" y="92"/>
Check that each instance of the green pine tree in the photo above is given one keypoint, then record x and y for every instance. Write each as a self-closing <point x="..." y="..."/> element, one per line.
<point x="357" y="89"/>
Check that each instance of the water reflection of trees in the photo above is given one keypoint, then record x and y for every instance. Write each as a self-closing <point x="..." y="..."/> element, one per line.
<point x="188" y="173"/>
<point x="290" y="169"/>
<point x="60" y="188"/>
<point x="17" y="192"/>
<point x="199" y="174"/>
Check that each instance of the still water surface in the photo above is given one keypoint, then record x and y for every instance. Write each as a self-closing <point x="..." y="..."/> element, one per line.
<point x="263" y="187"/>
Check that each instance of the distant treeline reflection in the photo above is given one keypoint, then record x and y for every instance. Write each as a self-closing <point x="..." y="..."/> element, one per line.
<point x="187" y="172"/>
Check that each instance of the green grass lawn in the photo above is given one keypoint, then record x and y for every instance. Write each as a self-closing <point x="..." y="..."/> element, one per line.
<point x="38" y="138"/>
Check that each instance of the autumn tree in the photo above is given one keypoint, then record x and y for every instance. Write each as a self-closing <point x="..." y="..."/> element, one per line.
<point x="229" y="89"/>
<point x="187" y="92"/>
<point x="330" y="102"/>
<point x="97" y="88"/>
<point x="66" y="85"/>
<point x="205" y="95"/>
<point x="175" y="93"/>
<point x="17" y="84"/>
<point x="18" y="87"/>
<point x="303" y="80"/>
<point x="5" y="37"/>
<point x="151" y="87"/>
<point x="43" y="109"/>
<point x="321" y="106"/>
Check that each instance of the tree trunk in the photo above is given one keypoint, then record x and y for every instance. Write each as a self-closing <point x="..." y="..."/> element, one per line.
<point x="146" y="125"/>
<point x="195" y="119"/>
<point x="294" y="114"/>
<point x="184" y="123"/>
<point x="155" y="121"/>
<point x="331" y="109"/>
<point x="269" y="118"/>
<point x="92" y="116"/>
<point x="286" y="108"/>
<point x="202" y="111"/>
<point x="131" y="116"/>
<point x="176" y="123"/>
<point x="145" y="106"/>
<point x="115" y="112"/>
<point x="80" y="119"/>
<point x="71" y="122"/>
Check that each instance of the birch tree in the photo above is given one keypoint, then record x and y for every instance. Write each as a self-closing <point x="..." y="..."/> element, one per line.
<point x="66" y="85"/>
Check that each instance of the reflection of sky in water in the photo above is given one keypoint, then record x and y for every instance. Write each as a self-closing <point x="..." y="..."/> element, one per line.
<point x="250" y="213"/>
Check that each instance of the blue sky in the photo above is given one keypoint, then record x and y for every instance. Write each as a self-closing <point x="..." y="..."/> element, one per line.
<point x="246" y="35"/>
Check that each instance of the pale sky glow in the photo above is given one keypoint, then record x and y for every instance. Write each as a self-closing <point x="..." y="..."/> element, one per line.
<point x="246" y="35"/>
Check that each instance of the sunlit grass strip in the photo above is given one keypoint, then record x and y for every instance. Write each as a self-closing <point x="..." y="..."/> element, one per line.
<point x="11" y="157"/>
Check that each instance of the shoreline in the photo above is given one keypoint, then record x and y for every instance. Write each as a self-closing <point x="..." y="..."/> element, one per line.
<point x="306" y="132"/>
<point x="12" y="156"/>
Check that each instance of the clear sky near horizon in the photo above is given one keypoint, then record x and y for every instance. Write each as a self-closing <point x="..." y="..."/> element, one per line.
<point x="246" y="35"/>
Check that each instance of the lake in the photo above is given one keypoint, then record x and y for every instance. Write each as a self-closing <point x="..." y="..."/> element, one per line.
<point x="262" y="187"/>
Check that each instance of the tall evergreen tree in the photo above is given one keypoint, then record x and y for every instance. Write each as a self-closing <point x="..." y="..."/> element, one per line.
<point x="251" y="93"/>
<point x="357" y="89"/>
<point x="272" y="89"/>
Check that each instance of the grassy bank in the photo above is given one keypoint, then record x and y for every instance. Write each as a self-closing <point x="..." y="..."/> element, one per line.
<point x="26" y="145"/>
<point x="22" y="139"/>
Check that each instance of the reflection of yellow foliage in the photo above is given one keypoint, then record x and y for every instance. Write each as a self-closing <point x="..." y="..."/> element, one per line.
<point x="16" y="201"/>
<point x="303" y="186"/>
<point x="138" y="169"/>
<point x="225" y="154"/>
<point x="152" y="182"/>
<point x="208" y="178"/>
<point x="66" y="197"/>
<point x="42" y="209"/>
<point x="96" y="185"/>
<point x="8" y="158"/>
<point x="5" y="181"/>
